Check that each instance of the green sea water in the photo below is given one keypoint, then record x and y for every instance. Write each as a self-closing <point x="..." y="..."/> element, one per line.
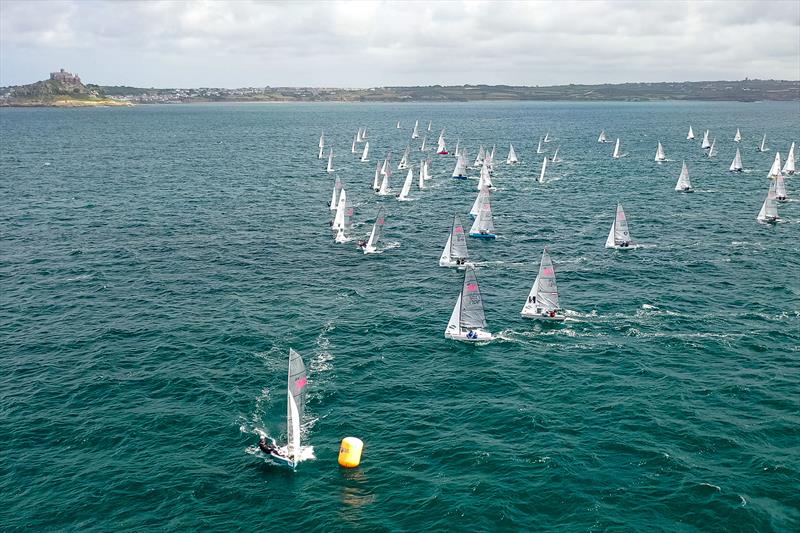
<point x="156" y="264"/>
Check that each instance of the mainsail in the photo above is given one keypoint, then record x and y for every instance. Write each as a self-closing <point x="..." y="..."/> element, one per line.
<point x="338" y="219"/>
<point x="471" y="312"/>
<point x="736" y="165"/>
<point x="690" y="135"/>
<point x="377" y="229"/>
<point x="660" y="153"/>
<point x="684" y="184"/>
<point x="415" y="133"/>
<point x="365" y="153"/>
<point x="769" y="209"/>
<point x="738" y="136"/>
<point x="616" y="154"/>
<point x="483" y="222"/>
<point x="763" y="146"/>
<point x="775" y="170"/>
<point x="337" y="188"/>
<point x="712" y="150"/>
<point x="619" y="230"/>
<point x="544" y="292"/>
<point x="706" y="143"/>
<point x="296" y="400"/>
<point x="476" y="206"/>
<point x="544" y="168"/>
<point x="789" y="167"/>
<point x="330" y="160"/>
<point x="512" y="156"/>
<point x="539" y="149"/>
<point x="406" y="185"/>
<point x="602" y="138"/>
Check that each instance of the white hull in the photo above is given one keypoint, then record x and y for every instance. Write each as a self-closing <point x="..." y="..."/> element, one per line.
<point x="541" y="314"/>
<point x="474" y="335"/>
<point x="370" y="250"/>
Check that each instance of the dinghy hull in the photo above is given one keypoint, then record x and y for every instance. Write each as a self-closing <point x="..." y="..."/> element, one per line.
<point x="483" y="235"/>
<point x="543" y="315"/>
<point x="475" y="335"/>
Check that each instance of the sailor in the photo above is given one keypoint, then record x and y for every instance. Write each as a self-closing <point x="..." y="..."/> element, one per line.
<point x="268" y="447"/>
<point x="362" y="244"/>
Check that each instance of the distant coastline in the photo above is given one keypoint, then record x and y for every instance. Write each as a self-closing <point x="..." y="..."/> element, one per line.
<point x="66" y="90"/>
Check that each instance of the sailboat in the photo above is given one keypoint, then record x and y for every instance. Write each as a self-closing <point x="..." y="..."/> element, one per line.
<point x="403" y="164"/>
<point x="403" y="196"/>
<point x="483" y="226"/>
<point x="712" y="150"/>
<point x="346" y="222"/>
<point x="370" y="245"/>
<point x="457" y="152"/>
<point x="353" y="147"/>
<point x="423" y="147"/>
<point x="384" y="189"/>
<point x="780" y="189"/>
<point x="736" y="164"/>
<point x="321" y="145"/>
<point x="763" y="146"/>
<point x="542" y="302"/>
<point x="789" y="168"/>
<point x="338" y="218"/>
<point x="426" y="170"/>
<point x="738" y="137"/>
<point x="660" y="153"/>
<point x="684" y="184"/>
<point x="376" y="183"/>
<point x="544" y="168"/>
<point x="616" y="154"/>
<point x="512" y="156"/>
<point x="602" y="138"/>
<point x="421" y="175"/>
<point x="485" y="179"/>
<point x="430" y="123"/>
<point x="441" y="149"/>
<point x="415" y="133"/>
<point x="706" y="143"/>
<point x="337" y="189"/>
<point x="554" y="158"/>
<point x="290" y="454"/>
<point x="690" y="135"/>
<point x="619" y="237"/>
<point x="365" y="153"/>
<point x="460" y="170"/>
<point x="775" y="169"/>
<point x="455" y="250"/>
<point x="330" y="160"/>
<point x="476" y="205"/>
<point x="769" y="209"/>
<point x="480" y="157"/>
<point x="398" y="124"/>
<point x="467" y="321"/>
<point x="547" y="138"/>
<point x="539" y="149"/>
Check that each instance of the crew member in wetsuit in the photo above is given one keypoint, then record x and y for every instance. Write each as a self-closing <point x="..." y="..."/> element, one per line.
<point x="267" y="446"/>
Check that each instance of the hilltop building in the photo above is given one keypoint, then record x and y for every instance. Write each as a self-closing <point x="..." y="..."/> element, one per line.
<point x="65" y="77"/>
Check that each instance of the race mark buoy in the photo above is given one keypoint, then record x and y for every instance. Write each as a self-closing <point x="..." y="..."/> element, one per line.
<point x="350" y="452"/>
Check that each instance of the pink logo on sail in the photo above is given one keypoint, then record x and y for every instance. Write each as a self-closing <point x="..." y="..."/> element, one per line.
<point x="380" y="221"/>
<point x="300" y="383"/>
<point x="472" y="287"/>
<point x="548" y="271"/>
<point x="459" y="229"/>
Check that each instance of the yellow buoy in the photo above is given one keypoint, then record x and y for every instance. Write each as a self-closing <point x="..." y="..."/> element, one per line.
<point x="350" y="452"/>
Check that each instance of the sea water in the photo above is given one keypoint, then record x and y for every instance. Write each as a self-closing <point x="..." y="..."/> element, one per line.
<point x="158" y="262"/>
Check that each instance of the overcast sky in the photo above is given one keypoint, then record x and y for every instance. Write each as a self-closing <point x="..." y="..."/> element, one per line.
<point x="366" y="44"/>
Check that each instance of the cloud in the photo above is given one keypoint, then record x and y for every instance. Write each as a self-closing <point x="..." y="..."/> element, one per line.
<point x="357" y="44"/>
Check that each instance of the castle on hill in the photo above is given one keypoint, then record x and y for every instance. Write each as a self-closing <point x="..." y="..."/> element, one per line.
<point x="65" y="77"/>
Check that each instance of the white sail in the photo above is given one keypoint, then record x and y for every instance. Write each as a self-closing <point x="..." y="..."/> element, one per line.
<point x="544" y="168"/>
<point x="602" y="138"/>
<point x="322" y="140"/>
<point x="338" y="220"/>
<point x="377" y="232"/>
<point x="296" y="404"/>
<point x="321" y="154"/>
<point x="554" y="158"/>
<point x="706" y="143"/>
<point x="415" y="133"/>
<point x="426" y="170"/>
<point x="539" y="149"/>
<point x="455" y="251"/>
<point x="616" y="154"/>
<point x="789" y="167"/>
<point x="780" y="188"/>
<point x="363" y="134"/>
<point x="460" y="170"/>
<point x="690" y="135"/>
<point x="403" y="196"/>
<point x="345" y="221"/>
<point x="403" y="164"/>
<point x="430" y="123"/>
<point x="485" y="178"/>
<point x="763" y="146"/>
<point x="484" y="223"/>
<point x="330" y="160"/>
<point x="376" y="184"/>
<point x="476" y="205"/>
<point x="547" y="138"/>
<point x="457" y="152"/>
<point x="542" y="300"/>
<point x="453" y="327"/>
<point x="769" y="209"/>
<point x="619" y="237"/>
<point x="384" y="188"/>
<point x="421" y="175"/>
<point x="385" y="166"/>
<point x="712" y="150"/>
<point x="468" y="319"/>
<point x="738" y="137"/>
<point x="398" y="124"/>
<point x="479" y="159"/>
<point x="660" y="153"/>
<point x="736" y="164"/>
<point x="353" y="147"/>
<point x="512" y="156"/>
<point x="423" y="147"/>
<point x="775" y="169"/>
<point x="365" y="153"/>
<point x="684" y="183"/>
<point x="441" y="148"/>
<point x="337" y="189"/>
